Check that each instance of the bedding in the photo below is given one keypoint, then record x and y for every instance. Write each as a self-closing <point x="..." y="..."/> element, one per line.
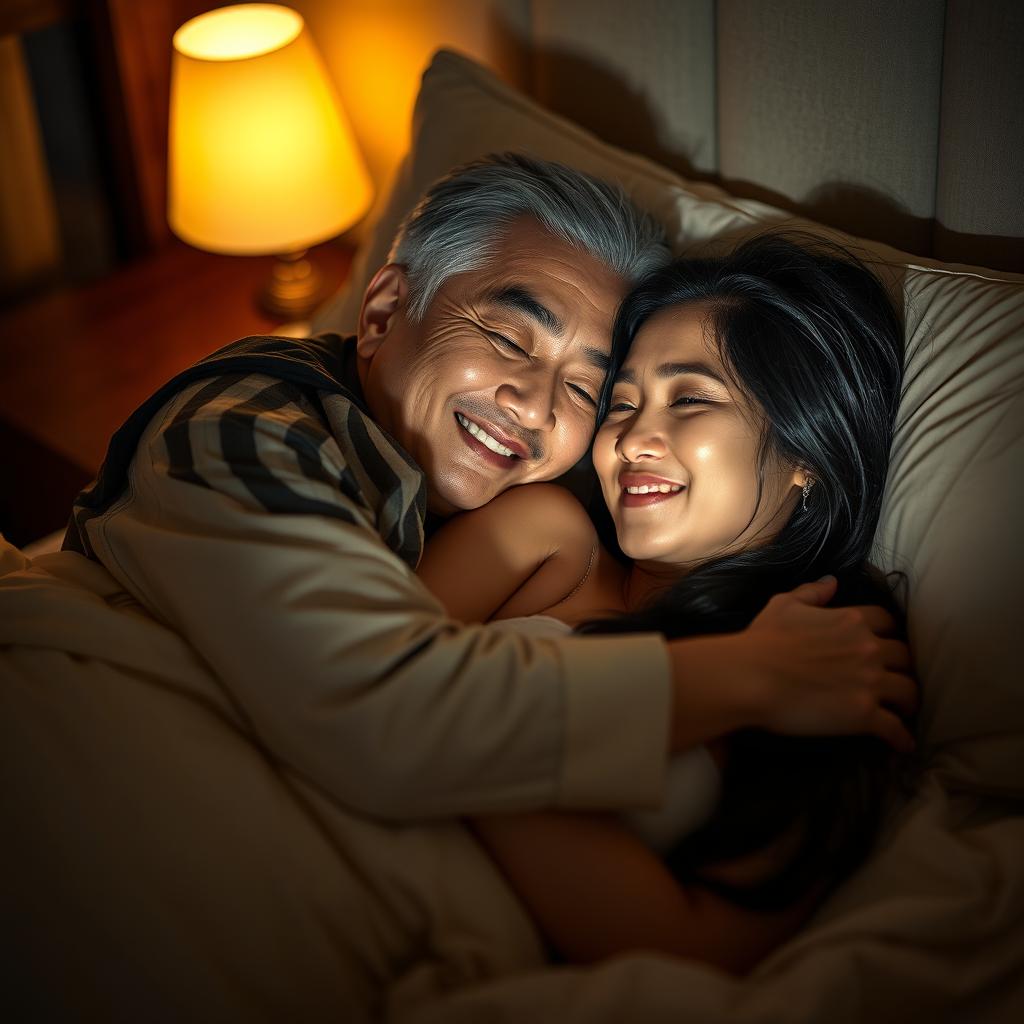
<point x="932" y="925"/>
<point x="286" y="907"/>
<point x="271" y="902"/>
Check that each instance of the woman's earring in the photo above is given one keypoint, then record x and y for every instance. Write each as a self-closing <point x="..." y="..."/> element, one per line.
<point x="807" y="490"/>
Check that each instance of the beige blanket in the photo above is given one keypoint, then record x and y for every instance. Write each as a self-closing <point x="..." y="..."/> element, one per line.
<point x="161" y="866"/>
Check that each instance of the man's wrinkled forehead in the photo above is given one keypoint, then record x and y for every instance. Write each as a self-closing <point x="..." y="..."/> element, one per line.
<point x="549" y="285"/>
<point x="522" y="299"/>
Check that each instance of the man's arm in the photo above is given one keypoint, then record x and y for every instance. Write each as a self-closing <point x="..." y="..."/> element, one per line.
<point x="799" y="668"/>
<point x="349" y="670"/>
<point x="346" y="667"/>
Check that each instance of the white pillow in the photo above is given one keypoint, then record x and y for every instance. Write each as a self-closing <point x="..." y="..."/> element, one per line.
<point x="957" y="475"/>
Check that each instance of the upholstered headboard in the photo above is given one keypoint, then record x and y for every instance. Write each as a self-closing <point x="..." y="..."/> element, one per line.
<point x="901" y="122"/>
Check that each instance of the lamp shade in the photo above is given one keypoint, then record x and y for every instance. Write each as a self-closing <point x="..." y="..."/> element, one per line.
<point x="261" y="156"/>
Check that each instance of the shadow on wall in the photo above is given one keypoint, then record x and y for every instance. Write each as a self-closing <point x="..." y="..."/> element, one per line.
<point x="1001" y="251"/>
<point x="597" y="98"/>
<point x="511" y="50"/>
<point x="858" y="210"/>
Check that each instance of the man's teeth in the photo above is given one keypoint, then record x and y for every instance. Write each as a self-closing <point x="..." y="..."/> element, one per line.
<point x="653" y="488"/>
<point x="483" y="437"/>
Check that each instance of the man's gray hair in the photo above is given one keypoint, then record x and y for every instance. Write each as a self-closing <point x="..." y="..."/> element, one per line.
<point x="462" y="219"/>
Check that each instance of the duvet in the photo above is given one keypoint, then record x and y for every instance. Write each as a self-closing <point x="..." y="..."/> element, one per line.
<point x="160" y="865"/>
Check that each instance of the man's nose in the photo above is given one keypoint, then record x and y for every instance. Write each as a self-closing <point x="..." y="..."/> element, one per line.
<point x="529" y="399"/>
<point x="640" y="439"/>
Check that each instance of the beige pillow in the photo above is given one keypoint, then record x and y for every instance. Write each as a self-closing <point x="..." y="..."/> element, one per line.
<point x="957" y="474"/>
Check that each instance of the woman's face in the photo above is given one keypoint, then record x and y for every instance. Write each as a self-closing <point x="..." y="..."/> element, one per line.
<point x="677" y="454"/>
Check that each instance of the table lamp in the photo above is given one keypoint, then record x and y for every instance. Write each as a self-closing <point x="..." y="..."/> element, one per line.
<point x="262" y="160"/>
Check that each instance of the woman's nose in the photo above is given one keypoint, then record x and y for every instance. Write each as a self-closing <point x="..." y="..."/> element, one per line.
<point x="640" y="439"/>
<point x="529" y="399"/>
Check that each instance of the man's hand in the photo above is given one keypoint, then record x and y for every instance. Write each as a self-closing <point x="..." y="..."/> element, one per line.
<point x="798" y="668"/>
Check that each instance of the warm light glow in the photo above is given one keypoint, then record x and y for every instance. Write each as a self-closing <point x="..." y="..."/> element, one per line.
<point x="232" y="33"/>
<point x="262" y="158"/>
<point x="378" y="50"/>
<point x="385" y="89"/>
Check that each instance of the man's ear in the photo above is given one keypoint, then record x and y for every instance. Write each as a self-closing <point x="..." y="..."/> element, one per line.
<point x="383" y="302"/>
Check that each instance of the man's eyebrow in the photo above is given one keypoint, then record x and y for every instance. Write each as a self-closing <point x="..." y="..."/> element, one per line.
<point x="666" y="371"/>
<point x="519" y="299"/>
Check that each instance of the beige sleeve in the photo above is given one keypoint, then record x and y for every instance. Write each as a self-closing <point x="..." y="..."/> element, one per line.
<point x="348" y="670"/>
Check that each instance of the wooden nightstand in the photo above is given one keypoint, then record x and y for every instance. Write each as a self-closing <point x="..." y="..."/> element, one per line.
<point x="76" y="363"/>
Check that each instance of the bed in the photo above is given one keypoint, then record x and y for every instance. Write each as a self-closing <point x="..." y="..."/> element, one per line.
<point x="264" y="901"/>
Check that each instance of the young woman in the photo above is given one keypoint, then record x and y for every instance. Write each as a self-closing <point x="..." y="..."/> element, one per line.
<point x="742" y="451"/>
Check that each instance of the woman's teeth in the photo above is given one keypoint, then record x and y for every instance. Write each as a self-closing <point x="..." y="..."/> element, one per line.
<point x="652" y="488"/>
<point x="483" y="437"/>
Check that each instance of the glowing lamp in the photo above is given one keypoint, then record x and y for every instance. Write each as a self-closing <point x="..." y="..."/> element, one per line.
<point x="262" y="160"/>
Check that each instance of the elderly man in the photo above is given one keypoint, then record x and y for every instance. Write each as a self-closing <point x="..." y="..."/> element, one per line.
<point x="269" y="505"/>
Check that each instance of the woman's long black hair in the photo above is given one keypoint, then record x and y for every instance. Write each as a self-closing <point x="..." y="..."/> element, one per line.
<point x="811" y="337"/>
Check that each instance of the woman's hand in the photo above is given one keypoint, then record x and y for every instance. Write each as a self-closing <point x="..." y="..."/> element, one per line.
<point x="798" y="668"/>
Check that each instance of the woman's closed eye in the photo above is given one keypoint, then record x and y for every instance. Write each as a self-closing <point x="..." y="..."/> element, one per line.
<point x="621" y="405"/>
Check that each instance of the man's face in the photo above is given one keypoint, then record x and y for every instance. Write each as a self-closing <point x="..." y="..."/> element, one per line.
<point x="497" y="385"/>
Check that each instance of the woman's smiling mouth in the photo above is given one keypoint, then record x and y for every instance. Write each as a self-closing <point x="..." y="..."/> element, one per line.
<point x="640" y="490"/>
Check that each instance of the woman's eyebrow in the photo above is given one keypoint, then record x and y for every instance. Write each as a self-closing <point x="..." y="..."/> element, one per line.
<point x="666" y="371"/>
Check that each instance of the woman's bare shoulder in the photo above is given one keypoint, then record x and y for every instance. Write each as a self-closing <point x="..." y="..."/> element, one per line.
<point x="478" y="561"/>
<point x="541" y="500"/>
<point x="562" y="530"/>
<point x="545" y="515"/>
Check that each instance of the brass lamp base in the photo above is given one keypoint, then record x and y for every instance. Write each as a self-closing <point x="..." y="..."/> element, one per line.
<point x="295" y="287"/>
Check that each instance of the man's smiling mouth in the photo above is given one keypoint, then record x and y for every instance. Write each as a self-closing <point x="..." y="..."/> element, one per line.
<point x="484" y="438"/>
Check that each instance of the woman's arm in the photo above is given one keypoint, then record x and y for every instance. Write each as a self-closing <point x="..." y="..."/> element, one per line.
<point x="594" y="891"/>
<point x="592" y="887"/>
<point x="519" y="554"/>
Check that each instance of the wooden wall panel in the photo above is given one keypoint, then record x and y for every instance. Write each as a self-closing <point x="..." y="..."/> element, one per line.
<point x="134" y="40"/>
<point x="20" y="16"/>
<point x="30" y="249"/>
